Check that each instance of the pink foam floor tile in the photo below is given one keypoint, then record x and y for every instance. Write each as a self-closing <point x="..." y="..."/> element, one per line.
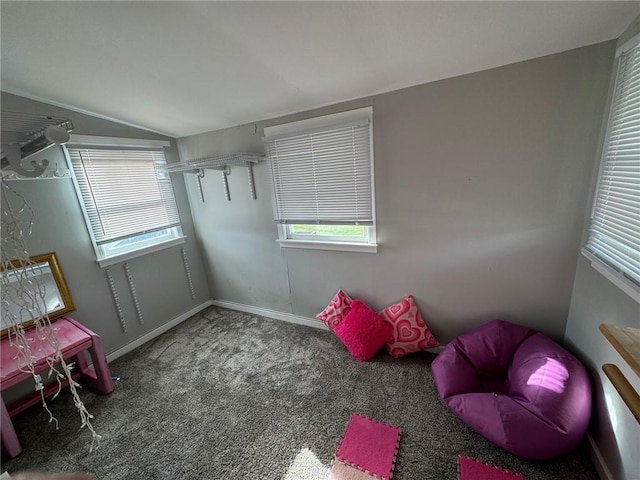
<point x="469" y="469"/>
<point x="370" y="446"/>
<point x="342" y="471"/>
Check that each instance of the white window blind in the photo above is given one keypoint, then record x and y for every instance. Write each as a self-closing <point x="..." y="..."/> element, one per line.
<point x="614" y="236"/>
<point x="124" y="191"/>
<point x="323" y="176"/>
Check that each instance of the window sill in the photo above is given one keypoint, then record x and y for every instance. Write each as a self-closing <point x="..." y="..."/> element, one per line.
<point x="123" y="257"/>
<point x="335" y="246"/>
<point x="614" y="277"/>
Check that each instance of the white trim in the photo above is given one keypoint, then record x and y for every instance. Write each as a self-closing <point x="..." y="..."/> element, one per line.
<point x="48" y="101"/>
<point x="628" y="45"/>
<point x="335" y="246"/>
<point x="598" y="459"/>
<point x="265" y="312"/>
<point x="240" y="307"/>
<point x="156" y="332"/>
<point x="325" y="121"/>
<point x="97" y="141"/>
<point x="44" y="176"/>
<point x="613" y="276"/>
<point x="605" y="140"/>
<point x="287" y="317"/>
<point x="317" y="122"/>
<point x="85" y="215"/>
<point x="291" y="235"/>
<point x="123" y="257"/>
<point x="105" y="262"/>
<point x="374" y="228"/>
<point x="285" y="233"/>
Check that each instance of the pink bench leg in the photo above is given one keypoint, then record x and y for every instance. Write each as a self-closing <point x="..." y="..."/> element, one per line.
<point x="104" y="383"/>
<point x="10" y="443"/>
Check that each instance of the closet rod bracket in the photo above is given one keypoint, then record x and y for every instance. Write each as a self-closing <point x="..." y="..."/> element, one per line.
<point x="222" y="163"/>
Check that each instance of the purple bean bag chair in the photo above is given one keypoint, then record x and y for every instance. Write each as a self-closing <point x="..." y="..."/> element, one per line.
<point x="517" y="388"/>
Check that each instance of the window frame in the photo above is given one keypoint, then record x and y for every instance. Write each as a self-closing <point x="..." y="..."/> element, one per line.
<point x="288" y="239"/>
<point x="365" y="238"/>
<point x="329" y="243"/>
<point x="110" y="254"/>
<point x="614" y="274"/>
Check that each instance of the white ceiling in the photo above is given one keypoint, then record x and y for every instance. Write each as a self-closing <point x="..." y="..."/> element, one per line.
<point x="183" y="68"/>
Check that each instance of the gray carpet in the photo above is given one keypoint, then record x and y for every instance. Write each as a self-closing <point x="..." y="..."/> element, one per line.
<point x="228" y="395"/>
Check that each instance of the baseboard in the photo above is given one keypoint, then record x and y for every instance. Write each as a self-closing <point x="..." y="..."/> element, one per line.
<point x="158" y="331"/>
<point x="287" y="317"/>
<point x="598" y="459"/>
<point x="265" y="312"/>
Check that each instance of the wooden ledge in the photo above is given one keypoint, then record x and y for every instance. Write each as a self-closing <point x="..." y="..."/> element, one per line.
<point x="624" y="388"/>
<point x="626" y="340"/>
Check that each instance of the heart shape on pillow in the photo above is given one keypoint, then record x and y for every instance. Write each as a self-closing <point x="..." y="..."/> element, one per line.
<point x="428" y="342"/>
<point x="410" y="332"/>
<point x="337" y="309"/>
<point x="394" y="312"/>
<point x="406" y="331"/>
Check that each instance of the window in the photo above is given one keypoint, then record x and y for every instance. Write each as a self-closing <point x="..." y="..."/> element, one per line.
<point x="127" y="196"/>
<point x="323" y="184"/>
<point x="614" y="234"/>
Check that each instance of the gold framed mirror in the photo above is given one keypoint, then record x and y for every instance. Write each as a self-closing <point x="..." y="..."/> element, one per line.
<point x="49" y="293"/>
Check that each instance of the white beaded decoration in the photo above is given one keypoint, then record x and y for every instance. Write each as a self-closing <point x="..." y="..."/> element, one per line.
<point x="187" y="269"/>
<point x="114" y="294"/>
<point x="132" y="288"/>
<point x="26" y="292"/>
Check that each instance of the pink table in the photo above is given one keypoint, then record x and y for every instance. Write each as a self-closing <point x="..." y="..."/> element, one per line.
<point x="74" y="339"/>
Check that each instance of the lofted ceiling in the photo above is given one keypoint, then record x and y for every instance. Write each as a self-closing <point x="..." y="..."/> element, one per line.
<point x="183" y="68"/>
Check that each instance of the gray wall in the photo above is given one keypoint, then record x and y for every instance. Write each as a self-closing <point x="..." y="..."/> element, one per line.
<point x="596" y="300"/>
<point x="59" y="227"/>
<point x="481" y="187"/>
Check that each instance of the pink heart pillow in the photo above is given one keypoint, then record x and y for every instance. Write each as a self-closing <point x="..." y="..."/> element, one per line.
<point x="337" y="309"/>
<point x="362" y="331"/>
<point x="410" y="332"/>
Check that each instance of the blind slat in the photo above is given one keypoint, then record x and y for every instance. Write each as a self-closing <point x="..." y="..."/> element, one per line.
<point x="614" y="235"/>
<point x="124" y="192"/>
<point x="323" y="176"/>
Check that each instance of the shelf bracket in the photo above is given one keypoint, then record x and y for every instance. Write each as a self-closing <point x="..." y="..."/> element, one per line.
<point x="200" y="176"/>
<point x="222" y="163"/>
<point x="226" y="171"/>
<point x="225" y="181"/>
<point x="252" y="186"/>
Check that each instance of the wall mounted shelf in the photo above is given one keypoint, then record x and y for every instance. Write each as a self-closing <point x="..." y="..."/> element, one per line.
<point x="25" y="135"/>
<point x="223" y="163"/>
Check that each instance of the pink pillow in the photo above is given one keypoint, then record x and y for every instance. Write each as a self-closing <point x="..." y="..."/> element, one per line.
<point x="362" y="331"/>
<point x="410" y="333"/>
<point x="338" y="307"/>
